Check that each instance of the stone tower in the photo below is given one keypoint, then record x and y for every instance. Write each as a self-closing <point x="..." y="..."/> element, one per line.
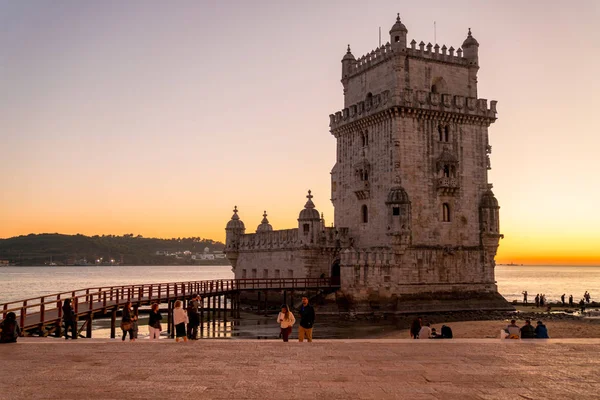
<point x="410" y="184"/>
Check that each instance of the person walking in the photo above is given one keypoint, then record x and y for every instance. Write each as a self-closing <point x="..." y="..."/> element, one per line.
<point x="69" y="319"/>
<point x="9" y="329"/>
<point x="126" y="322"/>
<point x="180" y="318"/>
<point x="194" y="317"/>
<point x="286" y="320"/>
<point x="307" y="320"/>
<point x="154" y="326"/>
<point x="415" y="328"/>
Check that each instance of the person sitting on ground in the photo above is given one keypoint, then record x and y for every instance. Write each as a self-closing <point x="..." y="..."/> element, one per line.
<point x="527" y="330"/>
<point x="434" y="334"/>
<point x="425" y="332"/>
<point x="446" y="332"/>
<point x="514" y="332"/>
<point x="9" y="329"/>
<point x="541" y="332"/>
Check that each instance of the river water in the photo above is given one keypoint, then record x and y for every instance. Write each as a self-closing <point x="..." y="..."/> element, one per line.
<point x="25" y="282"/>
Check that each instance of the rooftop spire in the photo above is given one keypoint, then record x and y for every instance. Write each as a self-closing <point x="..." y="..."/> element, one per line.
<point x="398" y="18"/>
<point x="348" y="51"/>
<point x="264" y="220"/>
<point x="235" y="211"/>
<point x="309" y="203"/>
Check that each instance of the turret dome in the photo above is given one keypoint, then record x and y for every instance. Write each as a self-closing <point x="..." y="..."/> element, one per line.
<point x="235" y="222"/>
<point x="488" y="200"/>
<point x="398" y="26"/>
<point x="348" y="55"/>
<point x="470" y="41"/>
<point x="264" y="224"/>
<point x="309" y="212"/>
<point x="397" y="195"/>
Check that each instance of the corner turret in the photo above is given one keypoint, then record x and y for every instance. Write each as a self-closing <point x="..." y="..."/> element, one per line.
<point x="264" y="225"/>
<point x="471" y="49"/>
<point x="398" y="35"/>
<point x="309" y="222"/>
<point x="348" y="63"/>
<point x="234" y="229"/>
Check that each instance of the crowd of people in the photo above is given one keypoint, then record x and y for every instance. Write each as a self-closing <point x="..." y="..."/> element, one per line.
<point x="540" y="300"/>
<point x="527" y="331"/>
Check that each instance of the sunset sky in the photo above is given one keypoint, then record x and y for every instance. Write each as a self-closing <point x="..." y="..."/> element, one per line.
<point x="156" y="118"/>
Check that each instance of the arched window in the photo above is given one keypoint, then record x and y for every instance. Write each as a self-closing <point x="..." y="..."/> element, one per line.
<point x="306" y="228"/>
<point x="446" y="133"/>
<point x="446" y="212"/>
<point x="364" y="139"/>
<point x="364" y="214"/>
<point x="440" y="132"/>
<point x="446" y="171"/>
<point x="434" y="88"/>
<point x="396" y="39"/>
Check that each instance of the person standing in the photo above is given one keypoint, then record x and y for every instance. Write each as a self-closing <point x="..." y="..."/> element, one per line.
<point x="571" y="300"/>
<point x="286" y="320"/>
<point x="154" y="326"/>
<point x="307" y="320"/>
<point x="10" y="329"/>
<point x="537" y="300"/>
<point x="415" y="328"/>
<point x="180" y="318"/>
<point x="525" y="297"/>
<point x="562" y="299"/>
<point x="69" y="319"/>
<point x="126" y="322"/>
<point x="194" y="317"/>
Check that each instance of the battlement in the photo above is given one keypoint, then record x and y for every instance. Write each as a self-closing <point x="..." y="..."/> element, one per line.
<point x="415" y="100"/>
<point x="285" y="239"/>
<point x="429" y="52"/>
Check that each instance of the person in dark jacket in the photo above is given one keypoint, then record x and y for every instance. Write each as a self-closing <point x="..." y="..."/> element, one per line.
<point x="154" y="326"/>
<point x="307" y="320"/>
<point x="446" y="332"/>
<point x="127" y="322"/>
<point x="194" y="317"/>
<point x="541" y="332"/>
<point x="527" y="330"/>
<point x="9" y="329"/>
<point x="415" y="328"/>
<point x="69" y="319"/>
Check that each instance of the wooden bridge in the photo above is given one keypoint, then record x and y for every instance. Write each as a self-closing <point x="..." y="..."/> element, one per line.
<point x="43" y="314"/>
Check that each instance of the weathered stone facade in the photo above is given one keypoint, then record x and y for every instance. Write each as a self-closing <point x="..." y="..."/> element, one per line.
<point x="414" y="212"/>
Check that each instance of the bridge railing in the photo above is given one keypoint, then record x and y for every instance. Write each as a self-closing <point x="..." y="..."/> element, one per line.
<point x="47" y="308"/>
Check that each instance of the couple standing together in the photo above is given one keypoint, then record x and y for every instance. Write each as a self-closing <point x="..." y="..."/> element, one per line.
<point x="286" y="320"/>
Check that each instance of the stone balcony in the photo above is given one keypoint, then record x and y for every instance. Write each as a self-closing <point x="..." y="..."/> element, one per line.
<point x="362" y="190"/>
<point x="447" y="185"/>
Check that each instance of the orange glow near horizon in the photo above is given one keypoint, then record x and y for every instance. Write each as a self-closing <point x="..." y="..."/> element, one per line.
<point x="109" y="127"/>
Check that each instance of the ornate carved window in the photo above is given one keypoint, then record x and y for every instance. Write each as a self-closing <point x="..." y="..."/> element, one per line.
<point x="446" y="212"/>
<point x="364" y="211"/>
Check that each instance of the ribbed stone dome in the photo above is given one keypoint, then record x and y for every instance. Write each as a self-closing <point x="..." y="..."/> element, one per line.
<point x="488" y="200"/>
<point x="349" y="55"/>
<point x="398" y="26"/>
<point x="235" y="222"/>
<point x="397" y="195"/>
<point x="264" y="224"/>
<point x="309" y="212"/>
<point x="470" y="41"/>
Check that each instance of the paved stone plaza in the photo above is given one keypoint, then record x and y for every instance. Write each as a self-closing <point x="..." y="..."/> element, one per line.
<point x="328" y="369"/>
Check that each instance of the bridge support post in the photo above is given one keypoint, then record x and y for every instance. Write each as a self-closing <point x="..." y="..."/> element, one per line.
<point x="88" y="326"/>
<point x="266" y="303"/>
<point x="170" y="319"/>
<point x="225" y="308"/>
<point x="58" y="328"/>
<point x="237" y="305"/>
<point x="285" y="298"/>
<point x="258" y="310"/>
<point x="201" y="318"/>
<point x="113" y="323"/>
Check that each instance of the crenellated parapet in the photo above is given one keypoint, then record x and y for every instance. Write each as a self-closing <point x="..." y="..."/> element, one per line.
<point x="414" y="101"/>
<point x="288" y="239"/>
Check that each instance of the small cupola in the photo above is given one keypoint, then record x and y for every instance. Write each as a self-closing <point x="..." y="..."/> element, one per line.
<point x="309" y="213"/>
<point x="264" y="224"/>
<point x="348" y="63"/>
<point x="471" y="49"/>
<point x="235" y="222"/>
<point x="398" y="35"/>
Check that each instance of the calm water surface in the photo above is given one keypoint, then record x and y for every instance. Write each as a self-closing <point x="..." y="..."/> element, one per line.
<point x="23" y="282"/>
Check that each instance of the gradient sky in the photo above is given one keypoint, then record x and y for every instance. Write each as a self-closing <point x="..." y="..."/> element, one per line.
<point x="156" y="117"/>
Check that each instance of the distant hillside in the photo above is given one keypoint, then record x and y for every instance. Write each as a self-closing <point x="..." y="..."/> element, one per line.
<point x="47" y="248"/>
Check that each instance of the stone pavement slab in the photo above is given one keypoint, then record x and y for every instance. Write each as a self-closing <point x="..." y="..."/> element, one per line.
<point x="47" y="368"/>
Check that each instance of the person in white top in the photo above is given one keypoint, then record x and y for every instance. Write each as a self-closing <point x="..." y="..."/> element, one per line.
<point x="425" y="332"/>
<point x="286" y="320"/>
<point x="180" y="318"/>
